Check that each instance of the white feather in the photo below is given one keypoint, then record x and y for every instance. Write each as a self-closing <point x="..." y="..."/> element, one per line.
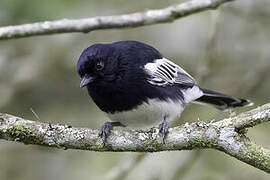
<point x="191" y="94"/>
<point x="149" y="114"/>
<point x="163" y="72"/>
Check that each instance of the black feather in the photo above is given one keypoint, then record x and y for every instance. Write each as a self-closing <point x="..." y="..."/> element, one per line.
<point x="222" y="101"/>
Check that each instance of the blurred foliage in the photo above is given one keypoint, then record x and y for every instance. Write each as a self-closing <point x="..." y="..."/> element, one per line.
<point x="39" y="73"/>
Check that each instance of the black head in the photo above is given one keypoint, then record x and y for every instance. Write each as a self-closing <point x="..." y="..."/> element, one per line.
<point x="103" y="63"/>
<point x="95" y="63"/>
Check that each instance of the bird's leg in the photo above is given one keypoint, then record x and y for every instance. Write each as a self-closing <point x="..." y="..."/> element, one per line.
<point x="163" y="128"/>
<point x="106" y="129"/>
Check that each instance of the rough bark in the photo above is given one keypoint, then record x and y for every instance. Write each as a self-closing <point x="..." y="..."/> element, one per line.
<point x="228" y="135"/>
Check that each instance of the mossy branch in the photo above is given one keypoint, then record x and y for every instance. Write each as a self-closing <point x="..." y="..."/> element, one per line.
<point x="226" y="135"/>
<point x="86" y="25"/>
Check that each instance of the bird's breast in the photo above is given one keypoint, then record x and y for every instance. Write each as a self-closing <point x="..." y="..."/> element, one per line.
<point x="149" y="113"/>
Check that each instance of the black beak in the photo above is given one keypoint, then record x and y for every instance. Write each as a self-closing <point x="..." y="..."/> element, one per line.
<point x="86" y="80"/>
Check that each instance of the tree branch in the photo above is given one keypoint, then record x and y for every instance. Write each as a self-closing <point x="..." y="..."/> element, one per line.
<point x="226" y="135"/>
<point x="86" y="25"/>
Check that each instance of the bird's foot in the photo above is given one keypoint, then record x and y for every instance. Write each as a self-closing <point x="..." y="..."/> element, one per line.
<point x="106" y="129"/>
<point x="164" y="129"/>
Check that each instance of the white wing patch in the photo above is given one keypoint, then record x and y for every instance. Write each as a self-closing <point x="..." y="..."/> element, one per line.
<point x="191" y="94"/>
<point x="164" y="72"/>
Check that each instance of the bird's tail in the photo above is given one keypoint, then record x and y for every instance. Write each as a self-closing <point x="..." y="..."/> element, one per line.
<point x="222" y="101"/>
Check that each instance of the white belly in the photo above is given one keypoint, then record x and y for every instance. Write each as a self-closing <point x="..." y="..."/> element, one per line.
<point x="149" y="114"/>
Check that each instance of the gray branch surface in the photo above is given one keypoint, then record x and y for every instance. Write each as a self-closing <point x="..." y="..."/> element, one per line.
<point x="86" y="25"/>
<point x="228" y="135"/>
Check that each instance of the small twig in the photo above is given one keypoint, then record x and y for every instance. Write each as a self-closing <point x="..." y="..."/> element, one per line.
<point x="34" y="113"/>
<point x="210" y="50"/>
<point x="86" y="25"/>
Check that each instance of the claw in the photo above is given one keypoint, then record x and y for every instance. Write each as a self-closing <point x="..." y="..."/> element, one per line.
<point x="164" y="129"/>
<point x="106" y="129"/>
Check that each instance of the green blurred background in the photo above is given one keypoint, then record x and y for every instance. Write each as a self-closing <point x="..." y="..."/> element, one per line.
<point x="226" y="50"/>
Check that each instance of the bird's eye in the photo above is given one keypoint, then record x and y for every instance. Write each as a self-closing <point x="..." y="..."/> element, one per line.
<point x="99" y="65"/>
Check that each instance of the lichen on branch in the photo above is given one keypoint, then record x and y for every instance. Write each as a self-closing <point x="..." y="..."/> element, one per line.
<point x="226" y="135"/>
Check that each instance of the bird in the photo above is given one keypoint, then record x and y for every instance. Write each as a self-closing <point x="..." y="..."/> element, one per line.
<point x="137" y="87"/>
